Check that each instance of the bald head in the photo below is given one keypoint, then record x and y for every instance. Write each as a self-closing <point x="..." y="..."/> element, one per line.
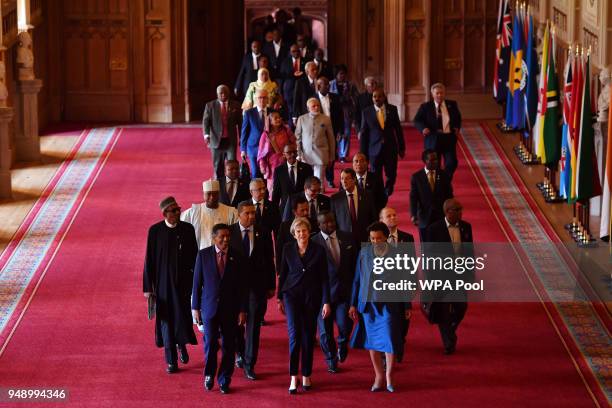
<point x="388" y="216"/>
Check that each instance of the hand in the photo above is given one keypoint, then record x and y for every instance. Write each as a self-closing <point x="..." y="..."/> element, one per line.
<point x="148" y="294"/>
<point x="270" y="294"/>
<point x="326" y="311"/>
<point x="353" y="313"/>
<point x="294" y="121"/>
<point x="235" y="91"/>
<point x="243" y="155"/>
<point x="196" y="316"/>
<point x="281" y="307"/>
<point x="277" y="106"/>
<point x="426" y="131"/>
<point x="297" y="73"/>
<point x="207" y="139"/>
<point x="414" y="220"/>
<point x="408" y="314"/>
<point x="241" y="318"/>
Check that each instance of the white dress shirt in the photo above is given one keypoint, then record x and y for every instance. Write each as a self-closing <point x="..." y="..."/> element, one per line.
<point x="251" y="236"/>
<point x="277" y="47"/>
<point x="325" y="103"/>
<point x="255" y="66"/>
<point x="333" y="245"/>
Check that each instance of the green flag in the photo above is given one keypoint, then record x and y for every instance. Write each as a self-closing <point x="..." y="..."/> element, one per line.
<point x="551" y="131"/>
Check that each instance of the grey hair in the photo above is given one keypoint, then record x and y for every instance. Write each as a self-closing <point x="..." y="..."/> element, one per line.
<point x="309" y="64"/>
<point x="298" y="222"/>
<point x="438" y="85"/>
<point x="369" y="79"/>
<point x="256" y="181"/>
<point x="221" y="87"/>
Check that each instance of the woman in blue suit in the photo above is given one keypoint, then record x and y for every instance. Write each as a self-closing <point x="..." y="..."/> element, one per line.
<point x="303" y="287"/>
<point x="379" y="323"/>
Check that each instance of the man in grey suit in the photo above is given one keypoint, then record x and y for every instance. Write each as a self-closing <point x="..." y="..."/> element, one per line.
<point x="221" y="125"/>
<point x="315" y="138"/>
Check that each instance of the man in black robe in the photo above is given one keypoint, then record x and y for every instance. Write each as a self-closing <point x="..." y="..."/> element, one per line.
<point x="168" y="276"/>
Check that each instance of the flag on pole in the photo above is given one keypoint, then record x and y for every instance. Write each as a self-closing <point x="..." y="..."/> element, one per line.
<point x="574" y="124"/>
<point x="587" y="176"/>
<point x="606" y="208"/>
<point x="516" y="81"/>
<point x="538" y="129"/>
<point x="550" y="148"/>
<point x="565" y="162"/>
<point x="531" y="95"/>
<point x="502" y="52"/>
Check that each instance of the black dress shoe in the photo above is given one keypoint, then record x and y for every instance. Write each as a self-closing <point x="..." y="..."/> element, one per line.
<point x="209" y="381"/>
<point x="224" y="389"/>
<point x="292" y="391"/>
<point x="172" y="368"/>
<point x="332" y="367"/>
<point x="306" y="387"/>
<point x="263" y="322"/>
<point x="249" y="373"/>
<point x="239" y="361"/>
<point x="449" y="350"/>
<point x="183" y="355"/>
<point x="342" y="354"/>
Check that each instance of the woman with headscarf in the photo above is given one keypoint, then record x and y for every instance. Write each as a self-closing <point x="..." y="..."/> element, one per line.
<point x="264" y="82"/>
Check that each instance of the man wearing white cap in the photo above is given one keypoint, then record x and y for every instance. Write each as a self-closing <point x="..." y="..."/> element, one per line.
<point x="205" y="215"/>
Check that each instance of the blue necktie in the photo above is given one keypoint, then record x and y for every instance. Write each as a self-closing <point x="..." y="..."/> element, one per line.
<point x="246" y="242"/>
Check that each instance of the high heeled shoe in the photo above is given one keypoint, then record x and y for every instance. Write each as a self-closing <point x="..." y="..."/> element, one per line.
<point x="306" y="387"/>
<point x="390" y="388"/>
<point x="376" y="388"/>
<point x="293" y="391"/>
<point x="293" y="386"/>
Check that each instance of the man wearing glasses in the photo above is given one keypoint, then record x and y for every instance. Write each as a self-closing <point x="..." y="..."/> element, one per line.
<point x="168" y="277"/>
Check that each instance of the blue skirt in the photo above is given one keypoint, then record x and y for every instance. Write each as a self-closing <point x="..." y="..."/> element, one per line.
<point x="378" y="329"/>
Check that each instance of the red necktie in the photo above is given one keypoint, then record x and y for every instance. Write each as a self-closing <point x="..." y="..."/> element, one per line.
<point x="221" y="263"/>
<point x="352" y="209"/>
<point x="224" y="119"/>
<point x="296" y="65"/>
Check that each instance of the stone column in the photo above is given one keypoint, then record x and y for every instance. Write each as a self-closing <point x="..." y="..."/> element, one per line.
<point x="394" y="26"/>
<point x="27" y="143"/>
<point x="6" y="115"/>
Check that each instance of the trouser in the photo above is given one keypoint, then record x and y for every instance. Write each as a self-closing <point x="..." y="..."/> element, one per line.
<point x="446" y="147"/>
<point x="449" y="317"/>
<point x="223" y="326"/>
<point x="405" y="326"/>
<point x="301" y="326"/>
<point x="319" y="172"/>
<point x="254" y="167"/>
<point x="386" y="159"/>
<point x="339" y="314"/>
<point x="247" y="338"/>
<point x="344" y="141"/>
<point x="329" y="172"/>
<point x="167" y="332"/>
<point x="225" y="151"/>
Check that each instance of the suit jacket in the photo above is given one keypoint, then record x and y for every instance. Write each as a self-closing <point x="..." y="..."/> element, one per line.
<point x="246" y="75"/>
<point x="426" y="117"/>
<point x="404" y="236"/>
<point x="376" y="187"/>
<point x="252" y="128"/>
<point x="262" y="275"/>
<point x="242" y="192"/>
<point x="212" y="125"/>
<point x="373" y="137"/>
<point x="363" y="101"/>
<point x="276" y="60"/>
<point x="323" y="204"/>
<point x="316" y="141"/>
<point x="270" y="217"/>
<point x="366" y="213"/>
<point x="302" y="92"/>
<point x="341" y="277"/>
<point x="336" y="112"/>
<point x="282" y="238"/>
<point x="214" y="295"/>
<point x="283" y="187"/>
<point x="325" y="70"/>
<point x="309" y="272"/>
<point x="425" y="204"/>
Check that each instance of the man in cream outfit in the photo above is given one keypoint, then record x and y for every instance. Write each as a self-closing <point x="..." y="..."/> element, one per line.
<point x="315" y="138"/>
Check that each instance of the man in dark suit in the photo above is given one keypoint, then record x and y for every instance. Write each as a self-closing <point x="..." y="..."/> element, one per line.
<point x="368" y="181"/>
<point x="233" y="189"/>
<point x="354" y="209"/>
<point x="364" y="100"/>
<point x="218" y="302"/>
<point x="317" y="202"/>
<point x="388" y="216"/>
<point x="289" y="177"/>
<point x="341" y="261"/>
<point x="251" y="241"/>
<point x="292" y="68"/>
<point x="324" y="67"/>
<point x="304" y="44"/>
<point x="305" y="88"/>
<point x="448" y="309"/>
<point x="248" y="69"/>
<point x="382" y="138"/>
<point x="276" y="50"/>
<point x="266" y="212"/>
<point x="429" y="188"/>
<point x="440" y="122"/>
<point x="221" y="125"/>
<point x="252" y="128"/>
<point x="332" y="107"/>
<point x="299" y="209"/>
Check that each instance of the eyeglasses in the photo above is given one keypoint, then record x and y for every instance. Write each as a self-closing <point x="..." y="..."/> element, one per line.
<point x="173" y="210"/>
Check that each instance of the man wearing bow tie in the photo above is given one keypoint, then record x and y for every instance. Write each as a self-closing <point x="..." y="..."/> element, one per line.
<point x="252" y="242"/>
<point x="429" y="188"/>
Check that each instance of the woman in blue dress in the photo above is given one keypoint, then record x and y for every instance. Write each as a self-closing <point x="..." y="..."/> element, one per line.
<point x="379" y="323"/>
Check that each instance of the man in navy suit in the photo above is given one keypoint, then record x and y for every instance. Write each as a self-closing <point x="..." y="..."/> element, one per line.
<point x="382" y="138"/>
<point x="251" y="241"/>
<point x="218" y="302"/>
<point x="368" y="181"/>
<point x="276" y="50"/>
<point x="233" y="189"/>
<point x="341" y="261"/>
<point x="252" y="128"/>
<point x="266" y="212"/>
<point x="452" y="237"/>
<point x="440" y="122"/>
<point x="248" y="69"/>
<point x="354" y="209"/>
<point x="429" y="188"/>
<point x="289" y="177"/>
<point x="305" y="88"/>
<point x="291" y="69"/>
<point x="317" y="202"/>
<point x="364" y="99"/>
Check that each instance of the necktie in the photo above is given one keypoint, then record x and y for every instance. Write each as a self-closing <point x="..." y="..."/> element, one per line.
<point x="221" y="263"/>
<point x="332" y="249"/>
<point x="381" y="118"/>
<point x="258" y="212"/>
<point x="230" y="190"/>
<point x="360" y="182"/>
<point x="292" y="174"/>
<point x="431" y="177"/>
<point x="439" y="117"/>
<point x="393" y="239"/>
<point x="313" y="209"/>
<point x="262" y="116"/>
<point x="312" y="85"/>
<point x="352" y="208"/>
<point x="296" y="65"/>
<point x="246" y="242"/>
<point x="455" y="234"/>
<point x="224" y="119"/>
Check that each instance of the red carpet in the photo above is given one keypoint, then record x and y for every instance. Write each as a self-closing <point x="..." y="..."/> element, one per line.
<point x="86" y="328"/>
